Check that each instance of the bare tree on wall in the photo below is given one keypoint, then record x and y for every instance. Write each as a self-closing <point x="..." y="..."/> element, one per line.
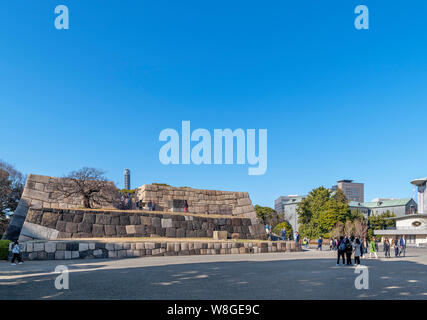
<point x="88" y="184"/>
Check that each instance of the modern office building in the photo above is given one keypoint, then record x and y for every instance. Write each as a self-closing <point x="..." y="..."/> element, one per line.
<point x="127" y="179"/>
<point x="352" y="190"/>
<point x="288" y="206"/>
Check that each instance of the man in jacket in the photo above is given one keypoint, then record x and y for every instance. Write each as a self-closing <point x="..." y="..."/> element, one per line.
<point x="402" y="245"/>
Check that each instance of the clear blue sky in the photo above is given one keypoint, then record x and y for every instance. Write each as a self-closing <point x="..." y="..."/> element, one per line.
<point x="337" y="102"/>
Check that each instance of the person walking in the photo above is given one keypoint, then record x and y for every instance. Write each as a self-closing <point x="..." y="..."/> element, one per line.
<point x="16" y="251"/>
<point x="386" y="248"/>
<point x="186" y="206"/>
<point x="357" y="244"/>
<point x="362" y="247"/>
<point x="296" y="237"/>
<point x="319" y="243"/>
<point x="373" y="248"/>
<point x="402" y="244"/>
<point x="341" y="251"/>
<point x="396" y="247"/>
<point x="348" y="250"/>
<point x="283" y="234"/>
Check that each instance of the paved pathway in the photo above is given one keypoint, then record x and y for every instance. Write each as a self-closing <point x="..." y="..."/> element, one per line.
<point x="303" y="275"/>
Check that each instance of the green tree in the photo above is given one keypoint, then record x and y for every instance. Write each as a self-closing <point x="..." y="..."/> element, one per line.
<point x="320" y="212"/>
<point x="379" y="222"/>
<point x="283" y="225"/>
<point x="339" y="196"/>
<point x="264" y="213"/>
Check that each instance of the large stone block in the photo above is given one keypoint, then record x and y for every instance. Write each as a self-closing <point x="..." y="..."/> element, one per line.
<point x="140" y="230"/>
<point x="166" y="223"/>
<point x="103" y="219"/>
<point x="124" y="220"/>
<point x="60" y="226"/>
<point x="130" y="229"/>
<point x="171" y="232"/>
<point x="38" y="246"/>
<point x="68" y="217"/>
<point x="134" y="220"/>
<point x="89" y="218"/>
<point x="49" y="219"/>
<point x="83" y="246"/>
<point x="146" y="221"/>
<point x="220" y="235"/>
<point x="71" y="227"/>
<point x="50" y="247"/>
<point x="236" y="222"/>
<point x="180" y="233"/>
<point x="110" y="230"/>
<point x="156" y="222"/>
<point x="121" y="231"/>
<point x="78" y="217"/>
<point x="59" y="255"/>
<point x="84" y="227"/>
<point x="98" y="230"/>
<point x="72" y="246"/>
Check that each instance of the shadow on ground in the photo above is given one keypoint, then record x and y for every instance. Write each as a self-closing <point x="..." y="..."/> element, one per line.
<point x="283" y="279"/>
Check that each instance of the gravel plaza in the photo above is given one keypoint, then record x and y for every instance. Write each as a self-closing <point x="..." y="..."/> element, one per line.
<point x="292" y="275"/>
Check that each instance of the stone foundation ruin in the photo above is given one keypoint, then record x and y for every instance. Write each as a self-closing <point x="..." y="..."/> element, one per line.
<point x="43" y="214"/>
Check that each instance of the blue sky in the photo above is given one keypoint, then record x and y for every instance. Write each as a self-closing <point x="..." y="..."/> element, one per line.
<point x="337" y="102"/>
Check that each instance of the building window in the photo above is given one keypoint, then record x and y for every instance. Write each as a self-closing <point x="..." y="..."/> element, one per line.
<point x="410" y="239"/>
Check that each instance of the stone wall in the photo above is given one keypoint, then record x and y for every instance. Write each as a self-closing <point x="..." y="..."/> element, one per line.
<point x="67" y="223"/>
<point x="199" y="200"/>
<point x="60" y="250"/>
<point x="39" y="193"/>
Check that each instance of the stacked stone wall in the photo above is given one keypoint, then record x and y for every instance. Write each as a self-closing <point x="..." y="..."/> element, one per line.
<point x="39" y="193"/>
<point x="67" y="223"/>
<point x="63" y="250"/>
<point x="199" y="201"/>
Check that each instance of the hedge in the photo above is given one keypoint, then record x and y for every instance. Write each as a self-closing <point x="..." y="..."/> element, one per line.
<point x="4" y="249"/>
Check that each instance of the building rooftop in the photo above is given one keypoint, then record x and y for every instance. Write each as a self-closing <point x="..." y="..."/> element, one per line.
<point x="408" y="216"/>
<point x="419" y="182"/>
<point x="381" y="204"/>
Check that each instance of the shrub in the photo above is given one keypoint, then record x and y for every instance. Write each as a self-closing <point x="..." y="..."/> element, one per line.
<point x="282" y="225"/>
<point x="4" y="249"/>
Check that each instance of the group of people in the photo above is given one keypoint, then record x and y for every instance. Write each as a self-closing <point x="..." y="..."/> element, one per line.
<point x="283" y="234"/>
<point x="347" y="247"/>
<point x="398" y="245"/>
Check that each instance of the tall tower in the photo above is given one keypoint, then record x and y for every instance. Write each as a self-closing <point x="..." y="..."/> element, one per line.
<point x="421" y="184"/>
<point x="127" y="179"/>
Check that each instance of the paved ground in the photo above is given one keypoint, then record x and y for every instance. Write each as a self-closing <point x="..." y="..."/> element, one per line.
<point x="302" y="275"/>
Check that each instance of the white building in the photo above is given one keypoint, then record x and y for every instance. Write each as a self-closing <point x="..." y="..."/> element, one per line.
<point x="413" y="226"/>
